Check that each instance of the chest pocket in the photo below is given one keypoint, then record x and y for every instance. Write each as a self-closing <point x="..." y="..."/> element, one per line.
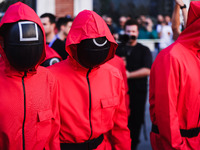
<point x="108" y="108"/>
<point x="44" y="124"/>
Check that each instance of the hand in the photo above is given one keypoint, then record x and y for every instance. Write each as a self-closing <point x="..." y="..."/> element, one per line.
<point x="179" y="2"/>
<point x="124" y="59"/>
<point x="127" y="74"/>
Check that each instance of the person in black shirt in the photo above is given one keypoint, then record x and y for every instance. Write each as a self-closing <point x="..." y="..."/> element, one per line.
<point x="63" y="25"/>
<point x="138" y="63"/>
<point x="49" y="21"/>
<point x="59" y="46"/>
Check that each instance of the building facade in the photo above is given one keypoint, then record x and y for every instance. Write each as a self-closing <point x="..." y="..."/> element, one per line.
<point x="59" y="8"/>
<point x="63" y="7"/>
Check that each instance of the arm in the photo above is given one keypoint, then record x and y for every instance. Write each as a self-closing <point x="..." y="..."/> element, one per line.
<point x="122" y="64"/>
<point x="184" y="11"/>
<point x="176" y="18"/>
<point x="54" y="142"/>
<point x="119" y="135"/>
<point x="146" y="65"/>
<point x="166" y="87"/>
<point x="143" y="72"/>
<point x="185" y="15"/>
<point x="176" y="22"/>
<point x="127" y="100"/>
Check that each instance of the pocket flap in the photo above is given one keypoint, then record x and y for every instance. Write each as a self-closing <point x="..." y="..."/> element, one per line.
<point x="110" y="102"/>
<point x="45" y="115"/>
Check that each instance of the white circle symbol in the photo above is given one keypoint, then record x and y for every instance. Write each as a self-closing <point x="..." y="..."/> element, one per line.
<point x="53" y="61"/>
<point x="100" y="45"/>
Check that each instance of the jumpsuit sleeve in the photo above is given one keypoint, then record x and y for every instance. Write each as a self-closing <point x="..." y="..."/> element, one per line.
<point x="166" y="80"/>
<point x="54" y="142"/>
<point x="127" y="99"/>
<point x="119" y="135"/>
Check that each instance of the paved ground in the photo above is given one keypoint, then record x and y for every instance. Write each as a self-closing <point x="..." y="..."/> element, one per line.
<point x="145" y="145"/>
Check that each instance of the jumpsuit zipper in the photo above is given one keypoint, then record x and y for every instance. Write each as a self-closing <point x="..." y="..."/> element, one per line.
<point x="88" y="81"/>
<point x="23" y="135"/>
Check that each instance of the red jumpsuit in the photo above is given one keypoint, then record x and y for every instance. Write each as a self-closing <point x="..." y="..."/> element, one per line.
<point x="175" y="90"/>
<point x="91" y="102"/>
<point x="28" y="104"/>
<point x="118" y="62"/>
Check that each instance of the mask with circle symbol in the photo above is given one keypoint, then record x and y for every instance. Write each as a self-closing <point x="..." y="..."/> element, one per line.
<point x="93" y="52"/>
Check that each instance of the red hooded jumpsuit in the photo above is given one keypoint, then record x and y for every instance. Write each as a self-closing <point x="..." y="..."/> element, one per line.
<point x="175" y="90"/>
<point x="92" y="102"/>
<point x="28" y="104"/>
<point x="119" y="63"/>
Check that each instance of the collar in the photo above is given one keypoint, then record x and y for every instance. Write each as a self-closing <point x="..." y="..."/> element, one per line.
<point x="79" y="68"/>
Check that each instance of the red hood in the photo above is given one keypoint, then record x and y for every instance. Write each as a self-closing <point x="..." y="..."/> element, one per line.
<point x="51" y="53"/>
<point x="88" y="25"/>
<point x="190" y="37"/>
<point x="20" y="11"/>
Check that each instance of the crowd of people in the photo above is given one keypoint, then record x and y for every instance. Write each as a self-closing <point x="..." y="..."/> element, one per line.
<point x="148" y="28"/>
<point x="164" y="27"/>
<point x="56" y="31"/>
<point x="81" y="83"/>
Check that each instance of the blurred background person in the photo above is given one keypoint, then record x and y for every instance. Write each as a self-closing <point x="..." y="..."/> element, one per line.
<point x="120" y="29"/>
<point x="146" y="31"/>
<point x="165" y="35"/>
<point x="49" y="23"/>
<point x="111" y="25"/>
<point x="122" y="21"/>
<point x="167" y="20"/>
<point x="138" y="63"/>
<point x="160" y="20"/>
<point x="63" y="26"/>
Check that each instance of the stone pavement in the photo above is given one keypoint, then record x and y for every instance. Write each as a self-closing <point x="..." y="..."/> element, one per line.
<point x="145" y="145"/>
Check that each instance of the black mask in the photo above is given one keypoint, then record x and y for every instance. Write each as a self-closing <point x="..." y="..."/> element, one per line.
<point x="93" y="52"/>
<point x="23" y="44"/>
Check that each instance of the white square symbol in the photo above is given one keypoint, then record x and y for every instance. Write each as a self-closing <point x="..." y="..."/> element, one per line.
<point x="21" y="31"/>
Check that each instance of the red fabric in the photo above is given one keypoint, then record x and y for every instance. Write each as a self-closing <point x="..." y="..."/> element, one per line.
<point x="41" y="128"/>
<point x="51" y="53"/>
<point x="119" y="63"/>
<point x="175" y="89"/>
<point x="108" y="110"/>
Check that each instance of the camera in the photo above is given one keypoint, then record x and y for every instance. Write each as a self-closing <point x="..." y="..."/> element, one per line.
<point x="125" y="38"/>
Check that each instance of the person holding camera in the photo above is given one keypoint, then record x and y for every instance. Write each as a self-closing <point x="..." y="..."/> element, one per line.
<point x="146" y="30"/>
<point x="138" y="63"/>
